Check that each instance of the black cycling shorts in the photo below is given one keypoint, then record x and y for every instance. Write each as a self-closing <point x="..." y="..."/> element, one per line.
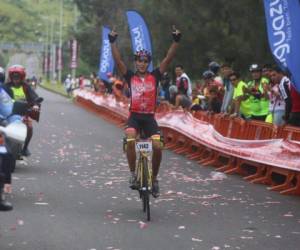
<point x="143" y="122"/>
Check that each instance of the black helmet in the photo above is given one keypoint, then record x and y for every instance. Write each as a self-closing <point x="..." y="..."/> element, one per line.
<point x="254" y="68"/>
<point x="142" y="54"/>
<point x="214" y="67"/>
<point x="208" y="74"/>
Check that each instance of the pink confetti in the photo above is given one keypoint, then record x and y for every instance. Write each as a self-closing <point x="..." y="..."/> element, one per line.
<point x="20" y="222"/>
<point x="143" y="225"/>
<point x="197" y="240"/>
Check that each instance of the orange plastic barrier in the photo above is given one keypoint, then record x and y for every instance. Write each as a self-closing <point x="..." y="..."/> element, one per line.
<point x="252" y="149"/>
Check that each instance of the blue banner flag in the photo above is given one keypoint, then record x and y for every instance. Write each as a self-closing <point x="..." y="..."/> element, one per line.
<point x="140" y="36"/>
<point x="283" y="24"/>
<point x="107" y="62"/>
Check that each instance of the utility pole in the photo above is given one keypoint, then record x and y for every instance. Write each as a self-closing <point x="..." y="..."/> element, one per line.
<point x="51" y="50"/>
<point x="60" y="40"/>
<point x="73" y="72"/>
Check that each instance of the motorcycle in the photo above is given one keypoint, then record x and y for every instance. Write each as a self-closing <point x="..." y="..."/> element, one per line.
<point x="12" y="137"/>
<point x="14" y="131"/>
<point x="33" y="84"/>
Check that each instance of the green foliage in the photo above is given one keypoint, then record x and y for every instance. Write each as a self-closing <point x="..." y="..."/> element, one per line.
<point x="226" y="31"/>
<point x="221" y="30"/>
<point x="29" y="20"/>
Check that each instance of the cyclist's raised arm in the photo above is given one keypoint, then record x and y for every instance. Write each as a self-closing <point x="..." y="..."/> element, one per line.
<point x="171" y="52"/>
<point x="112" y="36"/>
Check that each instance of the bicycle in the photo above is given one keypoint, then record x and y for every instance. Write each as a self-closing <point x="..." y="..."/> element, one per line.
<point x="143" y="172"/>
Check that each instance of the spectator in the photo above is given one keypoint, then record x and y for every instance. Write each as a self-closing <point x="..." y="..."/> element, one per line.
<point x="214" y="102"/>
<point x="81" y="81"/>
<point x="196" y="104"/>
<point x="94" y="82"/>
<point x="183" y="82"/>
<point x="215" y="68"/>
<point x="183" y="101"/>
<point x="108" y="84"/>
<point x="255" y="88"/>
<point x="118" y="90"/>
<point x="226" y="70"/>
<point x="68" y="85"/>
<point x="267" y="70"/>
<point x="277" y="106"/>
<point x="165" y="85"/>
<point x="240" y="101"/>
<point x="290" y="96"/>
<point x="173" y="92"/>
<point x="198" y="88"/>
<point x="294" y="117"/>
<point x="210" y="83"/>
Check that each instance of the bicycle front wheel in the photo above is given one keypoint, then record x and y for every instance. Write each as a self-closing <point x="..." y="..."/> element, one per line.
<point x="145" y="191"/>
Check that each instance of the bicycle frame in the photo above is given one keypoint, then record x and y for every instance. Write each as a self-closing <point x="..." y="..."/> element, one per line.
<point x="144" y="156"/>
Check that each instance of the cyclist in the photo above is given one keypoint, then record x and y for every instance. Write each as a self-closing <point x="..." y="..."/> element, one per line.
<point x="143" y="88"/>
<point x="19" y="90"/>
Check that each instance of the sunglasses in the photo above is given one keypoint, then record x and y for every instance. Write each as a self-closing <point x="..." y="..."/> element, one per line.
<point x="233" y="79"/>
<point x="143" y="60"/>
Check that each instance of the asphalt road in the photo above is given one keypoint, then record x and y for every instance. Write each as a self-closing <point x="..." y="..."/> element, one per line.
<point x="72" y="193"/>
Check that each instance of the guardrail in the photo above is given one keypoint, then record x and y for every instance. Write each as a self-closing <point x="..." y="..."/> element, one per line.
<point x="260" y="152"/>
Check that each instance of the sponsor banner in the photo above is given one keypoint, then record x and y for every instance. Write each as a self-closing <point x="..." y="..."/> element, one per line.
<point x="59" y="64"/>
<point x="283" y="25"/>
<point x="139" y="32"/>
<point x="74" y="54"/>
<point x="107" y="63"/>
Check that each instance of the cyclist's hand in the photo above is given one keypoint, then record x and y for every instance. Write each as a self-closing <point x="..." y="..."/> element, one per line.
<point x="112" y="36"/>
<point x="176" y="34"/>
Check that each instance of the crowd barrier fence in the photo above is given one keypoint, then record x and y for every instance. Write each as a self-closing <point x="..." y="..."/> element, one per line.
<point x="260" y="152"/>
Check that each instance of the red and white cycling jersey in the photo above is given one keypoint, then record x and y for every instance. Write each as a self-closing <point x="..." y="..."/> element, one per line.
<point x="143" y="91"/>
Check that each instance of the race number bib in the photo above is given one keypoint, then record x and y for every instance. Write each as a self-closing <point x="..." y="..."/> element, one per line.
<point x="145" y="146"/>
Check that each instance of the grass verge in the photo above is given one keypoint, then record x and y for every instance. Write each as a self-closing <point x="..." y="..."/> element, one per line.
<point x="56" y="88"/>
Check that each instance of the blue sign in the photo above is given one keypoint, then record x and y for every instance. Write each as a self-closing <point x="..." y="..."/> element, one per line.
<point x="283" y="24"/>
<point x="106" y="60"/>
<point x="140" y="36"/>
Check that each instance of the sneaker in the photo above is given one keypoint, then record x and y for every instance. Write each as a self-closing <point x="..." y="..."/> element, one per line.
<point x="25" y="152"/>
<point x="133" y="182"/>
<point x="4" y="205"/>
<point x="155" y="189"/>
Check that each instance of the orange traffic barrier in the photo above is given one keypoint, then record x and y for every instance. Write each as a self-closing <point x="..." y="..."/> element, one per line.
<point x="259" y="130"/>
<point x="254" y="151"/>
<point x="268" y="178"/>
<point x="289" y="132"/>
<point x="294" y="186"/>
